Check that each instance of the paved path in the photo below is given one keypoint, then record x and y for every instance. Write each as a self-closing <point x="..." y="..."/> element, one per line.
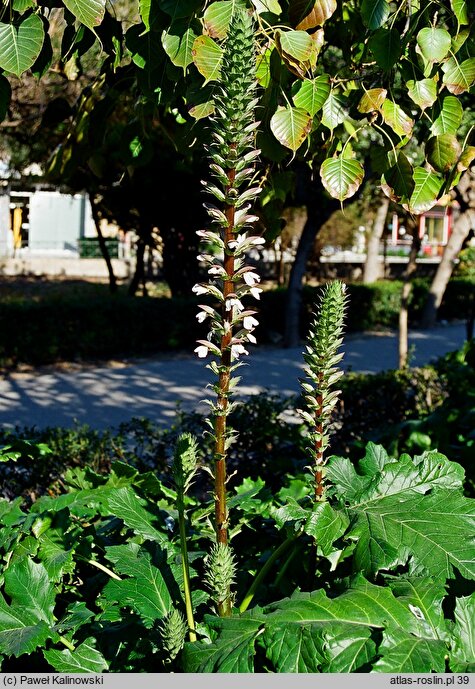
<point x="107" y="395"/>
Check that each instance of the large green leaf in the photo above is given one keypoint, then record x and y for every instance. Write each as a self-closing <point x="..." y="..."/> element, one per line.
<point x="232" y="652"/>
<point x="372" y="100"/>
<point x="126" y="505"/>
<point x="295" y="648"/>
<point x="178" y="43"/>
<point x="463" y="643"/>
<point x="334" y="111"/>
<point x="84" y="658"/>
<point x="395" y="117"/>
<point x="341" y="177"/>
<point x="312" y="94"/>
<point x="423" y="92"/>
<point x="145" y="589"/>
<point x="398" y="181"/>
<point x="207" y="57"/>
<point x="27" y="622"/>
<point x="442" y="152"/>
<point x="349" y="652"/>
<point x="297" y="44"/>
<point x="374" y="13"/>
<point x="218" y="15"/>
<point x="434" y="43"/>
<point x="404" y="652"/>
<point x="427" y="187"/>
<point x="262" y="6"/>
<point x="409" y="511"/>
<point x="424" y="598"/>
<point x="458" y="76"/>
<point x="27" y="583"/>
<point x="178" y="9"/>
<point x="307" y="14"/>
<point x="20" y="44"/>
<point x="460" y="10"/>
<point x="385" y="44"/>
<point x="449" y="118"/>
<point x="89" y="12"/>
<point x="291" y="126"/>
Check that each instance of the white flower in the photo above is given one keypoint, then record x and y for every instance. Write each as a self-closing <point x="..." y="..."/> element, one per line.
<point x="202" y="351"/>
<point x="200" y="289"/>
<point x="238" y="349"/>
<point x="255" y="291"/>
<point x="233" y="301"/>
<point x="251" y="338"/>
<point x="201" y="316"/>
<point x="217" y="270"/>
<point x="249" y="322"/>
<point x="251" y="278"/>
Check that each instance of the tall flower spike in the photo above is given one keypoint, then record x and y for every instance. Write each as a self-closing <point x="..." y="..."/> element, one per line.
<point x="232" y="155"/>
<point x="322" y="356"/>
<point x="220" y="572"/>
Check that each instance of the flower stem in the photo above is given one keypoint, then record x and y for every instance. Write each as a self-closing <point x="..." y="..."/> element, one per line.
<point x="186" y="574"/>
<point x="264" y="571"/>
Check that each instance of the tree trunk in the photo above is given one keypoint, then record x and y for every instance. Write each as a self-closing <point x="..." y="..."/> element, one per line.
<point x="462" y="227"/>
<point x="319" y="209"/>
<point x="139" y="273"/>
<point x="103" y="245"/>
<point x="406" y="292"/>
<point x="371" y="267"/>
<point x="465" y="195"/>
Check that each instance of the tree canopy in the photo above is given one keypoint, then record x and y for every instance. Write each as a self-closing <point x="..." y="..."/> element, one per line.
<point x="360" y="88"/>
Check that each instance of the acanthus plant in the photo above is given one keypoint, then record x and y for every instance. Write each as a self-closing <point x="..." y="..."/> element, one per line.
<point x="232" y="153"/>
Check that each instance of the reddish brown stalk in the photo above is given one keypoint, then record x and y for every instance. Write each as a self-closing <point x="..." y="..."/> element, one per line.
<point x="319" y="487"/>
<point x="223" y="382"/>
<point x="220" y="475"/>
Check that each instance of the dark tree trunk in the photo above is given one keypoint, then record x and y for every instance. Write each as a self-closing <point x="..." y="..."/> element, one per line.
<point x="465" y="195"/>
<point x="139" y="273"/>
<point x="319" y="208"/>
<point x="103" y="245"/>
<point x="371" y="266"/>
<point x="406" y="292"/>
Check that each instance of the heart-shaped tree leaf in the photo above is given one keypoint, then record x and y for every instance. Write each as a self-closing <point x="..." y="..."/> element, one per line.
<point x="307" y="14"/>
<point x="396" y="118"/>
<point x="341" y="177"/>
<point x="312" y="94"/>
<point x="443" y="151"/>
<point x="296" y="44"/>
<point x="178" y="43"/>
<point x="334" y="111"/>
<point x="423" y="92"/>
<point x="427" y="187"/>
<point x="374" y="13"/>
<point x="207" y="57"/>
<point x="398" y="182"/>
<point x="385" y="44"/>
<point x="434" y="43"/>
<point x="271" y="6"/>
<point x="20" y="44"/>
<point x="291" y="126"/>
<point x="89" y="12"/>
<point x="449" y="118"/>
<point x="372" y="100"/>
<point x="218" y="15"/>
<point x="459" y="77"/>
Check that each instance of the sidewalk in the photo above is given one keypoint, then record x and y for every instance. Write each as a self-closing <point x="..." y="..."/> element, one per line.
<point x="108" y="395"/>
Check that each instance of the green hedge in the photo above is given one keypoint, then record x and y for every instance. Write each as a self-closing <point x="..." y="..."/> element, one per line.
<point x="102" y="326"/>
